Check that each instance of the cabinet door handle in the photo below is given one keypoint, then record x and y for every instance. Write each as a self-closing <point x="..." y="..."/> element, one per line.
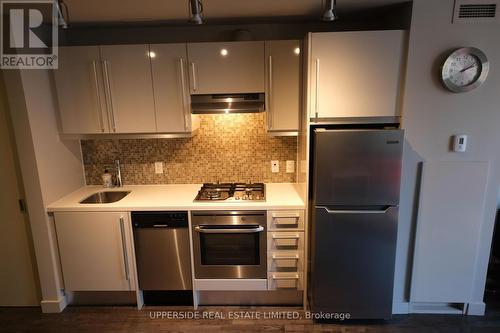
<point x="183" y="92"/>
<point x="316" y="99"/>
<point x="98" y="95"/>
<point x="124" y="248"/>
<point x="193" y="70"/>
<point x="111" y="111"/>
<point x="269" y="92"/>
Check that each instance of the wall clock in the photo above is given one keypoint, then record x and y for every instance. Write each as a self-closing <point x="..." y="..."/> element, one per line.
<point x="465" y="69"/>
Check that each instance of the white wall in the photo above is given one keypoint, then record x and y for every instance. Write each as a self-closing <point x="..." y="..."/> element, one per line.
<point x="498" y="200"/>
<point x="51" y="168"/>
<point x="18" y="278"/>
<point x="431" y="115"/>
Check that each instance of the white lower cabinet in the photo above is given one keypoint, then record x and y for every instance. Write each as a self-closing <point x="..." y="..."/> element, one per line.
<point x="285" y="250"/>
<point x="96" y="251"/>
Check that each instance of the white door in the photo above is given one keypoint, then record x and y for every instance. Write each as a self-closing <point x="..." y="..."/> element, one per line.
<point x="80" y="91"/>
<point x="229" y="67"/>
<point x="283" y="73"/>
<point x="18" y="277"/>
<point x="129" y="88"/>
<point x="171" y="91"/>
<point x="356" y="74"/>
<point x="95" y="250"/>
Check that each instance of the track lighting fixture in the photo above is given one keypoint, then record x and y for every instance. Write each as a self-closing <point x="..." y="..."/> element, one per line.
<point x="330" y="11"/>
<point x="61" y="20"/>
<point x="196" y="11"/>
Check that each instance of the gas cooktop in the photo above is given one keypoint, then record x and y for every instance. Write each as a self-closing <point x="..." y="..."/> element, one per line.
<point x="231" y="191"/>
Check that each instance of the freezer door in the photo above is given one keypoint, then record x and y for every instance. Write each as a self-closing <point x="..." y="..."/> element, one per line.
<point x="353" y="255"/>
<point x="357" y="167"/>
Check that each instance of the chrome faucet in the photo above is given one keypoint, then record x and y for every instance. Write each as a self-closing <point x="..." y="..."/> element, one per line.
<point x="119" y="182"/>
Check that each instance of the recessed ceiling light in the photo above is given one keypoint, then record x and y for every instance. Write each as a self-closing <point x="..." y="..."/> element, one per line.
<point x="151" y="54"/>
<point x="223" y="52"/>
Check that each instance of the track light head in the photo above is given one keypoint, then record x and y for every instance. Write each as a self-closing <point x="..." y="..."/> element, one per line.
<point x="330" y="13"/>
<point x="196" y="11"/>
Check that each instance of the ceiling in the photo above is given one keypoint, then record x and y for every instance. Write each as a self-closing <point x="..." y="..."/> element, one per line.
<point x="115" y="11"/>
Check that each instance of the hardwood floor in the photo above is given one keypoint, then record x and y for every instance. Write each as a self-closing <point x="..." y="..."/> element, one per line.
<point x="128" y="319"/>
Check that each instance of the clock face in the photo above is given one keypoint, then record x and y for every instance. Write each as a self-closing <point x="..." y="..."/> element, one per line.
<point x="465" y="69"/>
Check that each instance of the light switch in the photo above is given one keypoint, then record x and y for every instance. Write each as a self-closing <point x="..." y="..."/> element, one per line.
<point x="275" y="166"/>
<point x="290" y="166"/>
<point x="158" y="167"/>
<point x="460" y="143"/>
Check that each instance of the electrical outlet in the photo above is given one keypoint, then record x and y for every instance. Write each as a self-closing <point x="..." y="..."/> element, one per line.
<point x="290" y="166"/>
<point x="158" y="167"/>
<point x="275" y="166"/>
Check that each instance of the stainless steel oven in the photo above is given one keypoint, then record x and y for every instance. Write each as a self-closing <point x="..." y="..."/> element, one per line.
<point x="229" y="244"/>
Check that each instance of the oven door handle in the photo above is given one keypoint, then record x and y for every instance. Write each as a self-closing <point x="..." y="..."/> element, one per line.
<point x="203" y="230"/>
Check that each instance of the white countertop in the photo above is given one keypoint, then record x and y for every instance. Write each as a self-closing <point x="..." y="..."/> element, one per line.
<point x="176" y="197"/>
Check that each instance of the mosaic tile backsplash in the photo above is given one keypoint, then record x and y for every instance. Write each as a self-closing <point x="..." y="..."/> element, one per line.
<point x="227" y="148"/>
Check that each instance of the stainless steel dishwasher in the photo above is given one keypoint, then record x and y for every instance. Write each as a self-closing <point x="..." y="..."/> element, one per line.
<point x="162" y="250"/>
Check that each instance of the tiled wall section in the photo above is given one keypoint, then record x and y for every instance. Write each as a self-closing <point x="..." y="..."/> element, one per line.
<point x="226" y="148"/>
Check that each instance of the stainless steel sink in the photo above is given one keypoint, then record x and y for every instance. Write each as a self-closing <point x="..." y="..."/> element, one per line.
<point x="105" y="197"/>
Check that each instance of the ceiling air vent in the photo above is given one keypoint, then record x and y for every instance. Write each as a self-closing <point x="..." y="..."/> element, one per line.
<point x="474" y="11"/>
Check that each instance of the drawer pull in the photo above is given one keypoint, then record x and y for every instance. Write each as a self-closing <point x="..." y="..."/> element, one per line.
<point x="289" y="261"/>
<point x="292" y="277"/>
<point x="286" y="242"/>
<point x="286" y="282"/>
<point x="286" y="236"/>
<point x="285" y="218"/>
<point x="283" y="215"/>
<point x="296" y="257"/>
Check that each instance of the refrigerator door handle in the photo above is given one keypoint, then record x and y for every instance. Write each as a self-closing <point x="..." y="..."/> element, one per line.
<point x="340" y="211"/>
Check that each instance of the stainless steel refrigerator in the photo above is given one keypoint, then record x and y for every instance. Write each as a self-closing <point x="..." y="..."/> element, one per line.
<point x="355" y="198"/>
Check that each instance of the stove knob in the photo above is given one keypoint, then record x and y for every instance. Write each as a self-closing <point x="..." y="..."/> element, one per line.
<point x="245" y="197"/>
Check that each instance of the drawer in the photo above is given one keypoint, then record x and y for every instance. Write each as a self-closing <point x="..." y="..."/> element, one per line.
<point x="285" y="220"/>
<point x="285" y="280"/>
<point x="279" y="240"/>
<point x="289" y="261"/>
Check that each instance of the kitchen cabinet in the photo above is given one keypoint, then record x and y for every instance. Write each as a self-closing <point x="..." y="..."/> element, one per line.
<point x="80" y="91"/>
<point x="283" y="85"/>
<point x="227" y="67"/>
<point x="96" y="251"/>
<point x="171" y="89"/>
<point x="356" y="74"/>
<point x="285" y="244"/>
<point x="129" y="88"/>
<point x="124" y="89"/>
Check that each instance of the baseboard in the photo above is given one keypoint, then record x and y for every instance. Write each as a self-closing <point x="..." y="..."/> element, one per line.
<point x="476" y="309"/>
<point x="54" y="306"/>
<point x="437" y="308"/>
<point x="400" y="308"/>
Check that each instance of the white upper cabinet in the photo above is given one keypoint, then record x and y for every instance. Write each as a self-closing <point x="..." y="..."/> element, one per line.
<point x="171" y="88"/>
<point x="356" y="74"/>
<point x="129" y="88"/>
<point x="96" y="250"/>
<point x="283" y="85"/>
<point x="80" y="91"/>
<point x="229" y="67"/>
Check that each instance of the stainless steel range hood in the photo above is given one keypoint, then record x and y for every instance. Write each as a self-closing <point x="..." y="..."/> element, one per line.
<point x="227" y="103"/>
